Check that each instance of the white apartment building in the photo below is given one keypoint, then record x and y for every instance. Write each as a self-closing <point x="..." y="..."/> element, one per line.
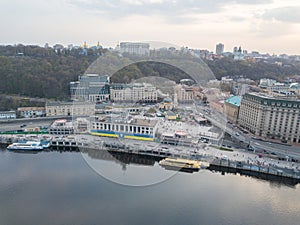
<point x="29" y="112"/>
<point x="7" y="115"/>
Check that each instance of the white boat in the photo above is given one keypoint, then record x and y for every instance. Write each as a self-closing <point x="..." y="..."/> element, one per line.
<point x="27" y="146"/>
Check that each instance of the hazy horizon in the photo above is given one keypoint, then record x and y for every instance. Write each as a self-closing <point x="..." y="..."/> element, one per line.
<point x="267" y="26"/>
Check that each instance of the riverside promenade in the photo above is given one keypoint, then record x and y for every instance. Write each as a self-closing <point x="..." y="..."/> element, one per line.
<point x="233" y="161"/>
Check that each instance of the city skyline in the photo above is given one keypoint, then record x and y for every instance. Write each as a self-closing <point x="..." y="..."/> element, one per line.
<point x="259" y="25"/>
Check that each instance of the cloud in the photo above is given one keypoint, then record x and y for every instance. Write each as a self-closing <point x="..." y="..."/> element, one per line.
<point x="171" y="10"/>
<point x="284" y="14"/>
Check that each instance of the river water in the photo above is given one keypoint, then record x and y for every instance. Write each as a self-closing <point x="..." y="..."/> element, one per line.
<point x="64" y="188"/>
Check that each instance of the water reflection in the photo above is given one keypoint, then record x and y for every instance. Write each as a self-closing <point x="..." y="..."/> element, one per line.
<point x="59" y="188"/>
<point x="126" y="161"/>
<point x="129" y="169"/>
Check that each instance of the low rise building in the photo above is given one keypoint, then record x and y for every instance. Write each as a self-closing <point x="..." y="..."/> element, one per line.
<point x="5" y="115"/>
<point x="136" y="92"/>
<point x="133" y="128"/>
<point x="70" y="108"/>
<point x="184" y="93"/>
<point x="61" y="127"/>
<point x="217" y="106"/>
<point x="30" y="112"/>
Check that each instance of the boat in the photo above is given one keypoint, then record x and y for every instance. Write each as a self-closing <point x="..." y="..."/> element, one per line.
<point x="183" y="164"/>
<point x="28" y="146"/>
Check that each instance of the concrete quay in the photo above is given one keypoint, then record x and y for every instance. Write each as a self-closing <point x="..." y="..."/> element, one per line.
<point x="236" y="161"/>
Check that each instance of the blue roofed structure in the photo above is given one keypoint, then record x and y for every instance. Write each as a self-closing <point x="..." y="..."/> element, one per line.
<point x="232" y="107"/>
<point x="235" y="100"/>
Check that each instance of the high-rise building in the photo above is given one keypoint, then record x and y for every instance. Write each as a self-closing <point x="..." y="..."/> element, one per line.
<point x="219" y="48"/>
<point x="271" y="118"/>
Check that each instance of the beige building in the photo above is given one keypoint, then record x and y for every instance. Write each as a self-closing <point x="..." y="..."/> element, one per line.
<point x="184" y="93"/>
<point x="217" y="106"/>
<point x="137" y="92"/>
<point x="271" y="118"/>
<point x="70" y="108"/>
<point x="232" y="107"/>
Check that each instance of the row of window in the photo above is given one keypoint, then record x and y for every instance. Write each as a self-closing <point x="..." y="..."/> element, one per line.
<point x="123" y="128"/>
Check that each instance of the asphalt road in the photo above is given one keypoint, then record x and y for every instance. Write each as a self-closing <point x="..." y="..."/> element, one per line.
<point x="279" y="149"/>
<point x="10" y="125"/>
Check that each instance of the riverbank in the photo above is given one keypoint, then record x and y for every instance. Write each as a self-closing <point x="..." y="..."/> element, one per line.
<point x="237" y="160"/>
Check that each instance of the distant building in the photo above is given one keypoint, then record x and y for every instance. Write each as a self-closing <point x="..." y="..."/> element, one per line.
<point x="273" y="85"/>
<point x="232" y="107"/>
<point x="219" y="48"/>
<point x="58" y="48"/>
<point x="136" y="92"/>
<point x="90" y="87"/>
<point x="5" y="115"/>
<point x="240" y="88"/>
<point x="30" y="112"/>
<point x="238" y="53"/>
<point x="270" y="117"/>
<point x="70" y="108"/>
<point x="135" y="48"/>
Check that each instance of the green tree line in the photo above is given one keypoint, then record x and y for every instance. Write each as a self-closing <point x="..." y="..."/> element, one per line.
<point x="45" y="73"/>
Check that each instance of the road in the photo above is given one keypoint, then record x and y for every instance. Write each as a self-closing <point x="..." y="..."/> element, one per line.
<point x="10" y="125"/>
<point x="219" y="120"/>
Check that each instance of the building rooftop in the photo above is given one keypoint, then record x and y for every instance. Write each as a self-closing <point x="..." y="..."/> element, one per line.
<point x="235" y="100"/>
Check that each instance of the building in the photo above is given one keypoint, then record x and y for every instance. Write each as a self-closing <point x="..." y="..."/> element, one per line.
<point x="133" y="128"/>
<point x="217" y="106"/>
<point x="136" y="92"/>
<point x="238" y="53"/>
<point x="70" y="108"/>
<point x="135" y="48"/>
<point x="219" y="49"/>
<point x="232" y="107"/>
<point x="61" y="127"/>
<point x="6" y="115"/>
<point x="167" y="104"/>
<point x="273" y="86"/>
<point x="90" y="87"/>
<point x="270" y="118"/>
<point x="30" y="112"/>
<point x="184" y="93"/>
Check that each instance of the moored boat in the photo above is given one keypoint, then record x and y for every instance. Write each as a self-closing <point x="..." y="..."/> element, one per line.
<point x="183" y="164"/>
<point x="28" y="146"/>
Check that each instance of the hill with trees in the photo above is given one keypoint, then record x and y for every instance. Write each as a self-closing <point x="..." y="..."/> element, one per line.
<point x="39" y="72"/>
<point x="278" y="70"/>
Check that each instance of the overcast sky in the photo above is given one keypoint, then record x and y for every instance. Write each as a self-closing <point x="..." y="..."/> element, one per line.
<point x="271" y="26"/>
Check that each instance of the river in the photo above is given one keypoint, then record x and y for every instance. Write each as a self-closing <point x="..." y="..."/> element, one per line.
<point x="75" y="188"/>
